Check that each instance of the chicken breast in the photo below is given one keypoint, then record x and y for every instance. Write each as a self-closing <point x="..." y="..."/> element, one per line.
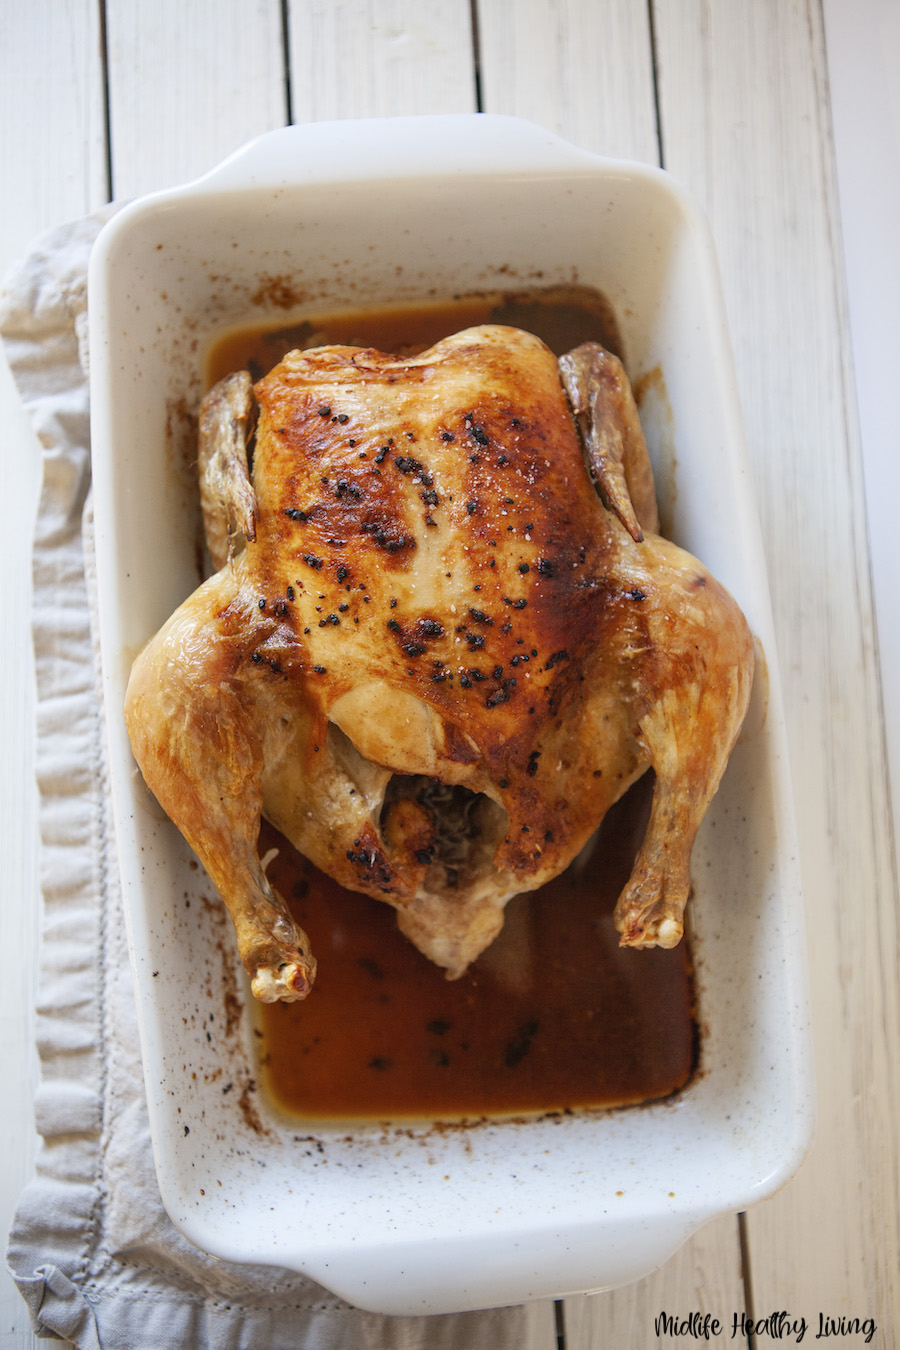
<point x="443" y="639"/>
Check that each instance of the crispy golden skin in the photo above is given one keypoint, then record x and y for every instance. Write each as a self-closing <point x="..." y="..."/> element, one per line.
<point x="440" y="655"/>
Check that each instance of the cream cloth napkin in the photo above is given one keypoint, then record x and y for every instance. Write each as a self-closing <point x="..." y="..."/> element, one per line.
<point x="92" y="1250"/>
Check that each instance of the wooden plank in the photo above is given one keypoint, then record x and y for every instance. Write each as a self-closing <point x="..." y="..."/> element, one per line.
<point x="586" y="71"/>
<point x="188" y="84"/>
<point x="380" y="58"/>
<point x="52" y="126"/>
<point x="53" y="154"/>
<point x="743" y="97"/>
<point x="863" y="51"/>
<point x="580" y="68"/>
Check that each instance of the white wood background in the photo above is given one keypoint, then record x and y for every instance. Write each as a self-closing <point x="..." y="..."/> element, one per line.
<point x="745" y="102"/>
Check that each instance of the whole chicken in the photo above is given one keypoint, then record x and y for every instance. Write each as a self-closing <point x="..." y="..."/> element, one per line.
<point x="443" y="639"/>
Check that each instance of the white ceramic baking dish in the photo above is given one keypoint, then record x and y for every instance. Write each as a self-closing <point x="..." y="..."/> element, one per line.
<point x="410" y="1218"/>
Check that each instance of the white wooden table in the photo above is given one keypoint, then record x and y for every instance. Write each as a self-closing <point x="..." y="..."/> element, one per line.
<point x="783" y="117"/>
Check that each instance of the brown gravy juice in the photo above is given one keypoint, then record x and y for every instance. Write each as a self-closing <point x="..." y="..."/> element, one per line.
<point x="554" y="1015"/>
<point x="562" y="317"/>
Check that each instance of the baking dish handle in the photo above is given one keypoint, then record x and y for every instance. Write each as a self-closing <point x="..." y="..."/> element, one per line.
<point x="394" y="148"/>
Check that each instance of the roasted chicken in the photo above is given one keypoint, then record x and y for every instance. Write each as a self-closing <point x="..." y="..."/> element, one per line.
<point x="443" y="638"/>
